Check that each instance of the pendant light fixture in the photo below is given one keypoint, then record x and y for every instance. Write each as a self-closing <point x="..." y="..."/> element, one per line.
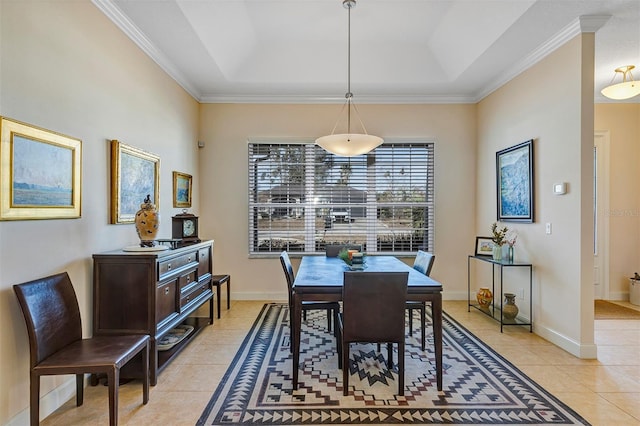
<point x="625" y="90"/>
<point x="349" y="144"/>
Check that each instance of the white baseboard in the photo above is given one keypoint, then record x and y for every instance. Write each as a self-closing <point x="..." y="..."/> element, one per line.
<point x="569" y="345"/>
<point x="49" y="403"/>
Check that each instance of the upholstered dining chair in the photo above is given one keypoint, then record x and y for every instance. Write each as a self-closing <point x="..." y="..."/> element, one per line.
<point x="52" y="316"/>
<point x="379" y="320"/>
<point x="332" y="250"/>
<point x="423" y="262"/>
<point x="332" y="308"/>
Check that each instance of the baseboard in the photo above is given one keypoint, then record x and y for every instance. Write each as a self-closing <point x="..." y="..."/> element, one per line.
<point x="574" y="348"/>
<point x="49" y="403"/>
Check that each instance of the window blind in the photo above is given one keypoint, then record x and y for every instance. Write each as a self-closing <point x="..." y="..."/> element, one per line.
<point x="302" y="198"/>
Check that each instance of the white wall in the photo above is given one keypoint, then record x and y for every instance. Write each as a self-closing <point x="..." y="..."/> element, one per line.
<point x="552" y="103"/>
<point x="225" y="129"/>
<point x="66" y="67"/>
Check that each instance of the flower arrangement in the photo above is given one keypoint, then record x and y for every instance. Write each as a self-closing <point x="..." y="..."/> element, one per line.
<point x="346" y="255"/>
<point x="511" y="239"/>
<point x="499" y="234"/>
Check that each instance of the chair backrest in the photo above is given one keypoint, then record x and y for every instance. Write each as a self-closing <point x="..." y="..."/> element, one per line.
<point x="288" y="270"/>
<point x="51" y="313"/>
<point x="332" y="250"/>
<point x="424" y="262"/>
<point x="374" y="305"/>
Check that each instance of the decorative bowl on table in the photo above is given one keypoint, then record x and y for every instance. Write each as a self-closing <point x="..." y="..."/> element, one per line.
<point x="354" y="259"/>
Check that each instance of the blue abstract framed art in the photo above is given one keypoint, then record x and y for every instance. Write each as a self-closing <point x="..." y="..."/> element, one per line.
<point x="514" y="172"/>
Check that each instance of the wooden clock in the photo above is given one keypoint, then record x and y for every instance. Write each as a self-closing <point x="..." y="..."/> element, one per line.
<point x="184" y="227"/>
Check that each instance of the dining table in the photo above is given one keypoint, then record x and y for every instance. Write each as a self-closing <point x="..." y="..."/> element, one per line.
<point x="320" y="278"/>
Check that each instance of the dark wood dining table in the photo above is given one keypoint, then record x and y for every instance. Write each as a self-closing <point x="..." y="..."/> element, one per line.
<point x="320" y="278"/>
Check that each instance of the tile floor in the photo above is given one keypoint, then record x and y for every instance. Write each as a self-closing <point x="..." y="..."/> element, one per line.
<point x="605" y="391"/>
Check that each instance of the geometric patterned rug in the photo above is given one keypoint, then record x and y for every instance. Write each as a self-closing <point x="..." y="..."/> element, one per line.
<point x="479" y="386"/>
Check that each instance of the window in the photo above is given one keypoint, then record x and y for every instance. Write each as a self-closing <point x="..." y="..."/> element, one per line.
<point x="302" y="198"/>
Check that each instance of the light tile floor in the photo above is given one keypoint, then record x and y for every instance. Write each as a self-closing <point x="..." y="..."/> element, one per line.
<point x="605" y="391"/>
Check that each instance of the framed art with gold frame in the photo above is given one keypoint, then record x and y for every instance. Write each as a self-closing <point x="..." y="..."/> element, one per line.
<point x="40" y="173"/>
<point x="182" y="189"/>
<point x="134" y="175"/>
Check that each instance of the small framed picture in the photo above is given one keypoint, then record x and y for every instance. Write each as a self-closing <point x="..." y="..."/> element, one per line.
<point x="181" y="189"/>
<point x="484" y="246"/>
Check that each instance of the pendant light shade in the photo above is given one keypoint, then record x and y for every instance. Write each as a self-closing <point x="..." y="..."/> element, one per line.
<point x="349" y="144"/>
<point x="625" y="90"/>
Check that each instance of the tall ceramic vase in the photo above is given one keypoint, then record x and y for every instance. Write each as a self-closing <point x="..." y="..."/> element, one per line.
<point x="509" y="309"/>
<point x="147" y="223"/>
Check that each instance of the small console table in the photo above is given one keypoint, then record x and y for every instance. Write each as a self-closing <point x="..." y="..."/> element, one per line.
<point x="495" y="310"/>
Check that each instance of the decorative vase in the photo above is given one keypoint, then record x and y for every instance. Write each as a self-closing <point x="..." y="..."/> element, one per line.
<point x="497" y="252"/>
<point x="509" y="309"/>
<point x="484" y="297"/>
<point x="510" y="253"/>
<point x="147" y="223"/>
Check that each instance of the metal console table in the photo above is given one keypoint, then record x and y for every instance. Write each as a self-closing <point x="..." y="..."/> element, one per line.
<point x="495" y="311"/>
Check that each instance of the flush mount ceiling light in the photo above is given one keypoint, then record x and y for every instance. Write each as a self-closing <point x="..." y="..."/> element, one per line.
<point x="349" y="144"/>
<point x="625" y="90"/>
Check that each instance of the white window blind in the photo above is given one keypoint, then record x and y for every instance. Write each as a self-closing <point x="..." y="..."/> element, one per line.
<point x="302" y="198"/>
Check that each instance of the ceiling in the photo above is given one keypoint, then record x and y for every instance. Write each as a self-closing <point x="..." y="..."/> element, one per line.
<point x="402" y="51"/>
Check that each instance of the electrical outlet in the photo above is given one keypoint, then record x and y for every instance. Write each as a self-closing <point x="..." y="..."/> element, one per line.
<point x="521" y="295"/>
<point x="547" y="228"/>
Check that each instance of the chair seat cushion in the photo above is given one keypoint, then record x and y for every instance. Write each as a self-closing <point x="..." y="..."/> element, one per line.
<point x="100" y="353"/>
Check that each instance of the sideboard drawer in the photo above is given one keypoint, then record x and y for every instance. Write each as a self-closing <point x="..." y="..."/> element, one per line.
<point x="204" y="262"/>
<point x="187" y="279"/>
<point x="193" y="295"/>
<point x="167" y="266"/>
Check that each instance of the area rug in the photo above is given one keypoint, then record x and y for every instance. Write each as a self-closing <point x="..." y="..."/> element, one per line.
<point x="480" y="387"/>
<point x="606" y="310"/>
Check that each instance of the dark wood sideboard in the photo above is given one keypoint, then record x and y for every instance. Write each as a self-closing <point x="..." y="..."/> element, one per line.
<point x="151" y="293"/>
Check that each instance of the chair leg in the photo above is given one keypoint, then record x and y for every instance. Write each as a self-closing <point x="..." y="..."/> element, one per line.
<point x="345" y="368"/>
<point x="34" y="403"/>
<point x="145" y="374"/>
<point x="113" y="378"/>
<point x="401" y="368"/>
<point x="423" y="322"/>
<point x="329" y="319"/>
<point x="79" y="389"/>
<point x="389" y="356"/>
<point x="410" y="321"/>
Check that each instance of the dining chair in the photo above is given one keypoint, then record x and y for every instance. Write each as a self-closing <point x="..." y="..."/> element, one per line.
<point x="332" y="308"/>
<point x="423" y="262"/>
<point x="50" y="309"/>
<point x="332" y="250"/>
<point x="379" y="320"/>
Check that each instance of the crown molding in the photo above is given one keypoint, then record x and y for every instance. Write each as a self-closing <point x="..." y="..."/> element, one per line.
<point x="315" y="99"/>
<point x="114" y="13"/>
<point x="583" y="24"/>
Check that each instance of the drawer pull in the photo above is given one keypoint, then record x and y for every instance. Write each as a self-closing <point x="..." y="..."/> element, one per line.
<point x="166" y="290"/>
<point x="168" y="266"/>
<point x="189" y="259"/>
<point x="188" y="279"/>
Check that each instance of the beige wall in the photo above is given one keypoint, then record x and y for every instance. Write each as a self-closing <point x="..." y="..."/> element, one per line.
<point x="546" y="103"/>
<point x="622" y="123"/>
<point x="225" y="130"/>
<point x="66" y="67"/>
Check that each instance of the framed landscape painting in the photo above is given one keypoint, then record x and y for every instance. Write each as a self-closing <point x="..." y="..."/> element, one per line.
<point x="40" y="171"/>
<point x="514" y="170"/>
<point x="484" y="246"/>
<point x="181" y="189"/>
<point x="134" y="175"/>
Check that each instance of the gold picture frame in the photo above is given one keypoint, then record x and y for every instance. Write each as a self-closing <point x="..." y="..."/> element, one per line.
<point x="134" y="175"/>
<point x="40" y="173"/>
<point x="182" y="189"/>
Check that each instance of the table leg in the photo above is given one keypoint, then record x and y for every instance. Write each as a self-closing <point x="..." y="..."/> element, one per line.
<point x="437" y="336"/>
<point x="295" y="337"/>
